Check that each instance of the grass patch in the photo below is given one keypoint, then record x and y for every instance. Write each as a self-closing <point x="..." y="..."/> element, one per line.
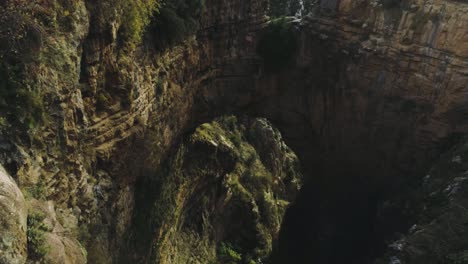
<point x="38" y="191"/>
<point x="137" y="16"/>
<point x="228" y="254"/>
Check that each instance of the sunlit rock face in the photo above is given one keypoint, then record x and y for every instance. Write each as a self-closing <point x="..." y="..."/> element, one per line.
<point x="13" y="215"/>
<point x="101" y="100"/>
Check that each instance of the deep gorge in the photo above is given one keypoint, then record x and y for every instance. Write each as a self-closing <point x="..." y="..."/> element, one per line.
<point x="191" y="148"/>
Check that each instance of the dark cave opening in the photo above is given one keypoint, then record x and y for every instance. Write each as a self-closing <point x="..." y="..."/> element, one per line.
<point x="352" y="206"/>
<point x="345" y="213"/>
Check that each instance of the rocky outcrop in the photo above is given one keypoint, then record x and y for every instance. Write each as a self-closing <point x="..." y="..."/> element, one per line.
<point x="52" y="235"/>
<point x="13" y="215"/>
<point x="439" y="235"/>
<point x="221" y="197"/>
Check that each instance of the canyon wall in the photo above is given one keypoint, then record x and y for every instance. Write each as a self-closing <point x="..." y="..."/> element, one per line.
<point x="102" y="114"/>
<point x="387" y="79"/>
<point x="381" y="85"/>
<point x="377" y="92"/>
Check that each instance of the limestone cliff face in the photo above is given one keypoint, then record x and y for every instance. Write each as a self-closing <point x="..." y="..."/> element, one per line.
<point x="381" y="87"/>
<point x="391" y="77"/>
<point x="93" y="101"/>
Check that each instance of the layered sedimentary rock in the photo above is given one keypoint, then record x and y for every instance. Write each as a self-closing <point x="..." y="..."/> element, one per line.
<point x="388" y="76"/>
<point x="97" y="99"/>
<point x="381" y="90"/>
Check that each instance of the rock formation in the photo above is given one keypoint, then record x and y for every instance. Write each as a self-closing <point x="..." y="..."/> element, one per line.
<point x="13" y="221"/>
<point x="220" y="198"/>
<point x="95" y="117"/>
<point x="439" y="235"/>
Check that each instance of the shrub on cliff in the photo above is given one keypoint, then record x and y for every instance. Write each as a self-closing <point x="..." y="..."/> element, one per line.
<point x="228" y="254"/>
<point x="277" y="45"/>
<point x="20" y="42"/>
<point x="20" y="104"/>
<point x="137" y="16"/>
<point x="36" y="236"/>
<point x="176" y="20"/>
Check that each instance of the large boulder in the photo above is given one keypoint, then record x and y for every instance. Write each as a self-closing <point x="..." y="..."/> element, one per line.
<point x="53" y="235"/>
<point x="222" y="196"/>
<point x="13" y="215"/>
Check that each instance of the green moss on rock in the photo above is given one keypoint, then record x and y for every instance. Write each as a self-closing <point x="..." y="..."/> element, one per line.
<point x="37" y="247"/>
<point x="137" y="15"/>
<point x="216" y="200"/>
